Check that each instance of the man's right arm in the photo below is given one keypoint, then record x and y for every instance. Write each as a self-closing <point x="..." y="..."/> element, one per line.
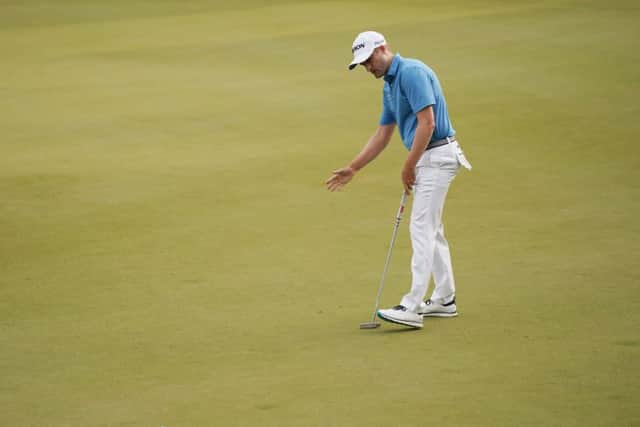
<point x="376" y="144"/>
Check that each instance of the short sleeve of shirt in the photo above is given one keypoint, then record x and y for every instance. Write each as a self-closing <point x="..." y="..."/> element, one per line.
<point x="416" y="86"/>
<point x="386" y="117"/>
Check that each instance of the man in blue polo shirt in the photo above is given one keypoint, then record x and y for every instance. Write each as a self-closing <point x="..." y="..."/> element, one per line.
<point x="412" y="100"/>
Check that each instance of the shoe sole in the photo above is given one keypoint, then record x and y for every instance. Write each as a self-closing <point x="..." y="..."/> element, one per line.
<point x="400" y="322"/>
<point x="439" y="314"/>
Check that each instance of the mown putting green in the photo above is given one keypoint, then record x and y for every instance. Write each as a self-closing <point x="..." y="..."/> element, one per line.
<point x="169" y="255"/>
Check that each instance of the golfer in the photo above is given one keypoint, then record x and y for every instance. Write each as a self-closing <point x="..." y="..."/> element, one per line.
<point x="412" y="100"/>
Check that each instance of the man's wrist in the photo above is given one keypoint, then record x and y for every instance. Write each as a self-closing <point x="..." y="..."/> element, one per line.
<point x="412" y="160"/>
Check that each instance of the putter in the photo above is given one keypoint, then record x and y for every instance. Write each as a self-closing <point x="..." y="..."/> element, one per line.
<point x="373" y="324"/>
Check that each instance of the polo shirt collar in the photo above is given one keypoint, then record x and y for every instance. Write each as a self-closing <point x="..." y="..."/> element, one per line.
<point x="393" y="68"/>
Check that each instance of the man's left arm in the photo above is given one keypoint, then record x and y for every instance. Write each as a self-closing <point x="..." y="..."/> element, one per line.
<point x="416" y="86"/>
<point x="424" y="131"/>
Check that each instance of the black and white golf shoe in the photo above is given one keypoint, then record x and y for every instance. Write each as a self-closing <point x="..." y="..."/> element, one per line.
<point x="435" y="309"/>
<point x="402" y="316"/>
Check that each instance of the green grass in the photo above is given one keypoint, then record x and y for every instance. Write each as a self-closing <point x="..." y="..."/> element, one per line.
<point x="169" y="255"/>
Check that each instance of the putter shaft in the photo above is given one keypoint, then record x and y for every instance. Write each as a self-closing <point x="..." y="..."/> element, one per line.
<point x="403" y="201"/>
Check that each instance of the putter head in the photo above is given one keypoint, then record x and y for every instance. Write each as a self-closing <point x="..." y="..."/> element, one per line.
<point x="369" y="325"/>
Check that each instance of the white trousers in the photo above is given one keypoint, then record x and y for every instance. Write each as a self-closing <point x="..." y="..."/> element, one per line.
<point x="434" y="173"/>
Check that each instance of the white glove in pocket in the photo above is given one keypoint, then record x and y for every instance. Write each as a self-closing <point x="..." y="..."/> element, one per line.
<point x="461" y="158"/>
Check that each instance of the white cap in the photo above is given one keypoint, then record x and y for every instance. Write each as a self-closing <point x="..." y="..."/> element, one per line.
<point x="364" y="45"/>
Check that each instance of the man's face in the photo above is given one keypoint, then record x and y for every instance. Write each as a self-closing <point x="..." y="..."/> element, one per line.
<point x="376" y="64"/>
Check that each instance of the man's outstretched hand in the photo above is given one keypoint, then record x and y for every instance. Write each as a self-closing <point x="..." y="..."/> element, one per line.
<point x="340" y="178"/>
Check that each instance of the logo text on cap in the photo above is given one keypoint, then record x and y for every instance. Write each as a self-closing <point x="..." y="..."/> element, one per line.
<point x="356" y="47"/>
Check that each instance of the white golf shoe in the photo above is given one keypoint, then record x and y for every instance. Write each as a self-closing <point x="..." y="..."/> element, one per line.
<point x="435" y="309"/>
<point x="401" y="315"/>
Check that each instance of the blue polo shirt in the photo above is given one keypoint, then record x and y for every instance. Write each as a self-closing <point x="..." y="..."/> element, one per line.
<point x="411" y="86"/>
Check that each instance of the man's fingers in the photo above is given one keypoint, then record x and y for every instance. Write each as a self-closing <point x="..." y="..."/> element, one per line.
<point x="407" y="187"/>
<point x="334" y="186"/>
<point x="339" y="179"/>
<point x="336" y="175"/>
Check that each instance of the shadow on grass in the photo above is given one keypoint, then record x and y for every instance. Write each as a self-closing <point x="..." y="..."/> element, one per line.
<point x="400" y="330"/>
<point x="391" y="328"/>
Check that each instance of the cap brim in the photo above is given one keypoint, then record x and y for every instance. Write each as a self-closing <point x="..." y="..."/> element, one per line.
<point x="360" y="59"/>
